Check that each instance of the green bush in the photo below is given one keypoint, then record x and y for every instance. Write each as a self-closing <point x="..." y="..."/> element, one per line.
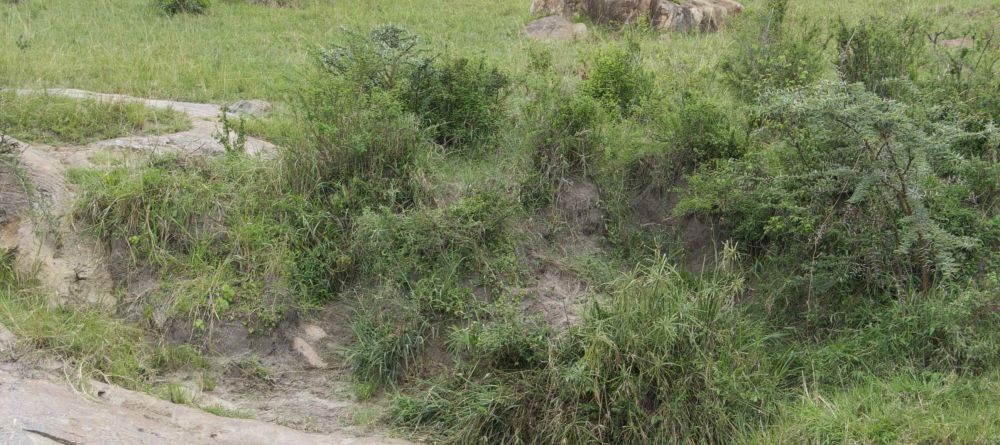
<point x="461" y="99"/>
<point x="381" y="59"/>
<point x="505" y="342"/>
<point x="618" y="80"/>
<point x="566" y="143"/>
<point x="467" y="238"/>
<point x="877" y="51"/>
<point x="362" y="149"/>
<point x="851" y="190"/>
<point x="388" y="336"/>
<point x="770" y="57"/>
<point x="697" y="131"/>
<point x="172" y="7"/>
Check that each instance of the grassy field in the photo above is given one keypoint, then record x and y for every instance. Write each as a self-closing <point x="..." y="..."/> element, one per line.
<point x="240" y="50"/>
<point x="838" y="170"/>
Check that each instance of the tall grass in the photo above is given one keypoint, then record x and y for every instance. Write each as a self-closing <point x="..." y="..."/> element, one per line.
<point x="41" y="118"/>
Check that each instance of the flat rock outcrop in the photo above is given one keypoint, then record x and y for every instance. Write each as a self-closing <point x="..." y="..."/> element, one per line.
<point x="34" y="410"/>
<point x="555" y="28"/>
<point x="677" y="15"/>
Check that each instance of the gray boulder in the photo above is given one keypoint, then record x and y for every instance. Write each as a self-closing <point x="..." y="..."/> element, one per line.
<point x="679" y="15"/>
<point x="555" y="28"/>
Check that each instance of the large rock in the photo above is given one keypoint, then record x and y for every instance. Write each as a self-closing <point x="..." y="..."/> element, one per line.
<point x="680" y="15"/>
<point x="555" y="28"/>
<point x="34" y="411"/>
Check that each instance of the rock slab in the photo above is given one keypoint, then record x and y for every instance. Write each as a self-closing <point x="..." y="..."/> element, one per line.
<point x="555" y="28"/>
<point x="676" y="15"/>
<point x="36" y="411"/>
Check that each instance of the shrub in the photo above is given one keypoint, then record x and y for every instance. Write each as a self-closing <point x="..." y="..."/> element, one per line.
<point x="468" y="237"/>
<point x="850" y="191"/>
<point x="878" y="50"/>
<point x="565" y="143"/>
<point x="505" y="342"/>
<point x="172" y="7"/>
<point x="461" y="99"/>
<point x="158" y="210"/>
<point x="697" y="131"/>
<point x="618" y="80"/>
<point x="381" y="59"/>
<point x="769" y="57"/>
<point x="362" y="149"/>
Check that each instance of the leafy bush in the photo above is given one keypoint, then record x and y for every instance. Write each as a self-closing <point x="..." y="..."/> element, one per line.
<point x="878" y="50"/>
<point x="618" y="80"/>
<point x="698" y="131"/>
<point x="468" y="237"/>
<point x="461" y="99"/>
<point x="769" y="57"/>
<point x="362" y="149"/>
<point x="158" y="210"/>
<point x="851" y="191"/>
<point x="505" y="342"/>
<point x="381" y="59"/>
<point x="172" y="7"/>
<point x="565" y="144"/>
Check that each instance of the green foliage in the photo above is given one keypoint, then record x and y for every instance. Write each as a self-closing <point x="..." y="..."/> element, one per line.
<point x="362" y="147"/>
<point x="158" y="210"/>
<point x="40" y="118"/>
<point x="950" y="331"/>
<point x="461" y="99"/>
<point x="206" y="223"/>
<point x="933" y="408"/>
<point x="172" y="7"/>
<point x="443" y="246"/>
<point x="877" y="51"/>
<point x="565" y="143"/>
<point x="506" y="342"/>
<point x="770" y="56"/>
<point x="380" y="59"/>
<point x="697" y="131"/>
<point x="388" y="336"/>
<point x="618" y="80"/>
<point x="662" y="360"/>
<point x="851" y="188"/>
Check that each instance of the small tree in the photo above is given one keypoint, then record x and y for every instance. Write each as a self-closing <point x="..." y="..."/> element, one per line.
<point x="852" y="188"/>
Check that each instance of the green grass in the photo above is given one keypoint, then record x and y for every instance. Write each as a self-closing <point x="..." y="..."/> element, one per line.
<point x="241" y="50"/>
<point x="91" y="340"/>
<point x="925" y="408"/>
<point x="46" y="119"/>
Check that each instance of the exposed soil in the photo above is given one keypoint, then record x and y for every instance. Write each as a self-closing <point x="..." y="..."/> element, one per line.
<point x="698" y="238"/>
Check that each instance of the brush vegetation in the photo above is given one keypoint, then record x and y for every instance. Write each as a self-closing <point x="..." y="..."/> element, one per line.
<point x="846" y="176"/>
